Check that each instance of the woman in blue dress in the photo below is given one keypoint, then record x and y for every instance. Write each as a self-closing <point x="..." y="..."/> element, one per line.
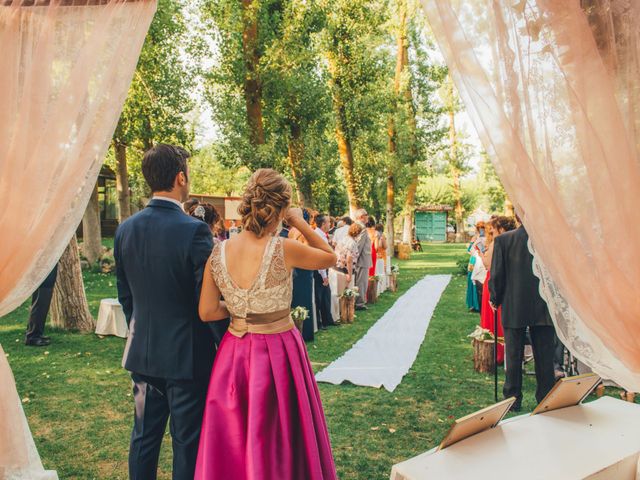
<point x="302" y="285"/>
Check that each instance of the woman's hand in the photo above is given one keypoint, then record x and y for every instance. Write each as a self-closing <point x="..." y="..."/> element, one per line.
<point x="293" y="215"/>
<point x="348" y="277"/>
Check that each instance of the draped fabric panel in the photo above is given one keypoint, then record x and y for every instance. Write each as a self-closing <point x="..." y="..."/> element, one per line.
<point x="65" y="68"/>
<point x="553" y="89"/>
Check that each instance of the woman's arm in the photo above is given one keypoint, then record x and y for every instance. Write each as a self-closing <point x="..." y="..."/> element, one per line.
<point x="487" y="256"/>
<point x="349" y="267"/>
<point x="211" y="308"/>
<point x="383" y="241"/>
<point x="317" y="255"/>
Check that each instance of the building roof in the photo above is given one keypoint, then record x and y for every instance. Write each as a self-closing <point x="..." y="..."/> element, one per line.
<point x="434" y="208"/>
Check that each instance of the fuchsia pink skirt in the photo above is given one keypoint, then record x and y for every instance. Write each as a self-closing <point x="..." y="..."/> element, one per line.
<point x="264" y="419"/>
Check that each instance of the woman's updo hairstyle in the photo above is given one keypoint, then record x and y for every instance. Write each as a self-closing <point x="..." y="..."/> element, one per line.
<point x="265" y="197"/>
<point x="205" y="212"/>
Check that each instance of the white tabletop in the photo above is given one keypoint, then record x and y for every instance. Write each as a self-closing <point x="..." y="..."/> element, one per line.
<point x="571" y="443"/>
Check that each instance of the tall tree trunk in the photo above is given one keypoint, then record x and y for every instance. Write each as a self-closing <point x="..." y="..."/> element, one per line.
<point x="345" y="150"/>
<point x="252" y="86"/>
<point x="295" y="157"/>
<point x="147" y="137"/>
<point x="91" y="234"/>
<point x="122" y="181"/>
<point x="402" y="60"/>
<point x="409" y="206"/>
<point x="405" y="87"/>
<point x="509" y="209"/>
<point x="69" y="308"/>
<point x="455" y="170"/>
<point x="391" y="197"/>
<point x="346" y="161"/>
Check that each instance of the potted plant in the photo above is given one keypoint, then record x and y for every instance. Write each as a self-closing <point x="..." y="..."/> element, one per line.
<point x="348" y="305"/>
<point x="299" y="315"/>
<point x="482" y="341"/>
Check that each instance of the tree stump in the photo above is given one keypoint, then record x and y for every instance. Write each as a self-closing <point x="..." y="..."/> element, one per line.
<point x="483" y="356"/>
<point x="69" y="308"/>
<point x="347" y="309"/>
<point x="393" y="282"/>
<point x="372" y="290"/>
<point x="404" y="251"/>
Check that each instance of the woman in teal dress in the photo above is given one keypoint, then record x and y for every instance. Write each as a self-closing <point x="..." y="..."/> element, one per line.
<point x="472" y="294"/>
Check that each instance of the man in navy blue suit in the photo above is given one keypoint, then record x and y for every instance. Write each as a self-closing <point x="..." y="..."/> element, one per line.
<point x="161" y="254"/>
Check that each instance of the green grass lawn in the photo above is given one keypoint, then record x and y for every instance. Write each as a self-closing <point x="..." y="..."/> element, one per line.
<point x="78" y="400"/>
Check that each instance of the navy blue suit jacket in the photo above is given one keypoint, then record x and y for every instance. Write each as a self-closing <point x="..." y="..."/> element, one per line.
<point x="160" y="257"/>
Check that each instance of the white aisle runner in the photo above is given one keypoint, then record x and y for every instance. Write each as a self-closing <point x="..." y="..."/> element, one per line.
<point x="387" y="351"/>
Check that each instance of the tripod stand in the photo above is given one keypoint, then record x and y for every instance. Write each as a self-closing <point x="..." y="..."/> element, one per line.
<point x="495" y="354"/>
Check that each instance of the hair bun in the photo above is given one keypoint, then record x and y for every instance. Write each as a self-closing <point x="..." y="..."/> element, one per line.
<point x="266" y="196"/>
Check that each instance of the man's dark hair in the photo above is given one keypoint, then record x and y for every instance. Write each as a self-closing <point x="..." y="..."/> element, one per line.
<point x="160" y="165"/>
<point x="347" y="220"/>
<point x="320" y="219"/>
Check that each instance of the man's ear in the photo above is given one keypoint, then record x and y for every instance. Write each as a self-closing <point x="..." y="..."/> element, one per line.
<point x="181" y="179"/>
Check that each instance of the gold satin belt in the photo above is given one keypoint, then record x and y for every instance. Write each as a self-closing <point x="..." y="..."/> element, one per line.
<point x="264" y="323"/>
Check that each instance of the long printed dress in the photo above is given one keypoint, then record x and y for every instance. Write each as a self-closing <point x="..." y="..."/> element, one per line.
<point x="263" y="418"/>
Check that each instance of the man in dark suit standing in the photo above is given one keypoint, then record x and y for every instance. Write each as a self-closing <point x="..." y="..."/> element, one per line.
<point x="160" y="258"/>
<point x="514" y="287"/>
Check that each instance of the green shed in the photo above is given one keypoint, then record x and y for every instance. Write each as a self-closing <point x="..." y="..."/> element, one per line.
<point x="431" y="223"/>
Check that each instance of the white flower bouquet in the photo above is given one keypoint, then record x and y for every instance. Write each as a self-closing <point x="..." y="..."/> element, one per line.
<point x="299" y="315"/>
<point x="350" y="292"/>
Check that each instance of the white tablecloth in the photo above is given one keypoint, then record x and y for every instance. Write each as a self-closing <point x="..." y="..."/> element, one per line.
<point x="599" y="440"/>
<point x="111" y="319"/>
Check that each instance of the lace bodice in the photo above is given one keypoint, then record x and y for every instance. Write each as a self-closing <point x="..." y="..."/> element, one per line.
<point x="271" y="290"/>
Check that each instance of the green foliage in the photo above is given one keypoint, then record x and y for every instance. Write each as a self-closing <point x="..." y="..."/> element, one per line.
<point x="463" y="265"/>
<point x="159" y="98"/>
<point x="293" y="85"/>
<point x="210" y="176"/>
<point x="438" y="190"/>
<point x="494" y="195"/>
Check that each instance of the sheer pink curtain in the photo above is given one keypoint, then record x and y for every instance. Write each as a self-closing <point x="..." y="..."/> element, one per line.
<point x="553" y="90"/>
<point x="65" y="67"/>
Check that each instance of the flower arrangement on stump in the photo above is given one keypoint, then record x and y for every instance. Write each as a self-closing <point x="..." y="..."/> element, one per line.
<point x="482" y="341"/>
<point x="348" y="304"/>
<point x="393" y="278"/>
<point x="372" y="289"/>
